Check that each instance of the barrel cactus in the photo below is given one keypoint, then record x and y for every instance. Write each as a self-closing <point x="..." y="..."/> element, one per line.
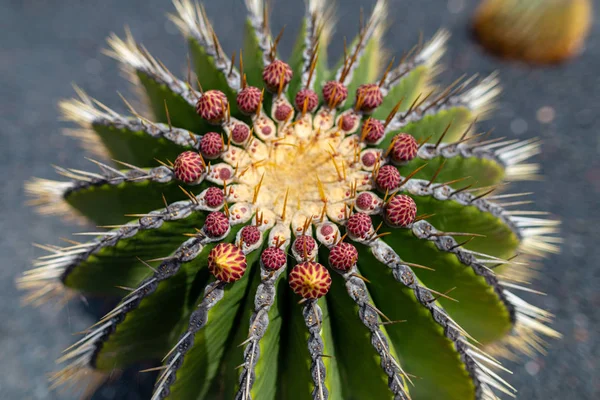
<point x="280" y="230"/>
<point x="536" y="31"/>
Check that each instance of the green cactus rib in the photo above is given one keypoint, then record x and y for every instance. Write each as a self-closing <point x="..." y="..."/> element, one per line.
<point x="451" y="111"/>
<point x="312" y="316"/>
<point x="297" y="364"/>
<point x="270" y="351"/>
<point x="365" y="49"/>
<point x="107" y="346"/>
<point x="170" y="99"/>
<point x="116" y="262"/>
<point x="111" y="259"/>
<point x="311" y="48"/>
<point x="489" y="222"/>
<point x="138" y="329"/>
<point x="84" y="352"/>
<point x="108" y="196"/>
<point x="324" y="355"/>
<point x="257" y="41"/>
<point x="211" y="340"/>
<point x="451" y="387"/>
<point x="487" y="163"/>
<point x="288" y="176"/>
<point x="110" y="135"/>
<point x="414" y="73"/>
<point x="380" y="341"/>
<point x="367" y="337"/>
<point x="419" y="334"/>
<point x="309" y="342"/>
<point x="121" y="189"/>
<point x="358" y="300"/>
<point x="476" y="291"/>
<point x="262" y="347"/>
<point x="209" y="58"/>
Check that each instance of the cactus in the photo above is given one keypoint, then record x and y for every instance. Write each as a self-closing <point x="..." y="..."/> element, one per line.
<point x="538" y="31"/>
<point x="297" y="230"/>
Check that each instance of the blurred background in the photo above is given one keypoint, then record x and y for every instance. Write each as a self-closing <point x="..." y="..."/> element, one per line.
<point x="47" y="45"/>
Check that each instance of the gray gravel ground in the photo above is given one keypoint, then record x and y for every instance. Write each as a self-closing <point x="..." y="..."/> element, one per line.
<point x="46" y="45"/>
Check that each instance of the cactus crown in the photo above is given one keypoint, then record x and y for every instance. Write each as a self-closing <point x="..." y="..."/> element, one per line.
<point x="321" y="208"/>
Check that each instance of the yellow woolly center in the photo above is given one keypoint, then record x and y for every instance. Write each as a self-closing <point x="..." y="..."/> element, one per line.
<point x="309" y="174"/>
<point x="304" y="171"/>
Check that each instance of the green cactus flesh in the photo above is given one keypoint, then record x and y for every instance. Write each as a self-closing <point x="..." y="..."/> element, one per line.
<point x="344" y="240"/>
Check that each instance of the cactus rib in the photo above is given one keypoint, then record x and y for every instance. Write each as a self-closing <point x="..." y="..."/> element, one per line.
<point x="90" y="114"/>
<point x="136" y="59"/>
<point x="192" y="22"/>
<point x="213" y="293"/>
<point x="258" y="14"/>
<point x="427" y="55"/>
<point x="373" y="29"/>
<point x="259" y="322"/>
<point x="313" y="318"/>
<point x="319" y="25"/>
<point x="509" y="154"/>
<point x="367" y="313"/>
<point x="403" y="274"/>
<point x="60" y="264"/>
<point x="478" y="99"/>
<point x="85" y="351"/>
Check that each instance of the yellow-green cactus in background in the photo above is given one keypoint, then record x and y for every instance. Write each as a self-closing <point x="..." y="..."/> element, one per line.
<point x="539" y="31"/>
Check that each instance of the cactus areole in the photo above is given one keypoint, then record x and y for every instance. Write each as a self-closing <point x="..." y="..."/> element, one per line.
<point x="306" y="212"/>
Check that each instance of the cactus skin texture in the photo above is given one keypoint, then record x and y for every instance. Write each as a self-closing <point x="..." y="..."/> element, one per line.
<point x="537" y="31"/>
<point x="336" y="235"/>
